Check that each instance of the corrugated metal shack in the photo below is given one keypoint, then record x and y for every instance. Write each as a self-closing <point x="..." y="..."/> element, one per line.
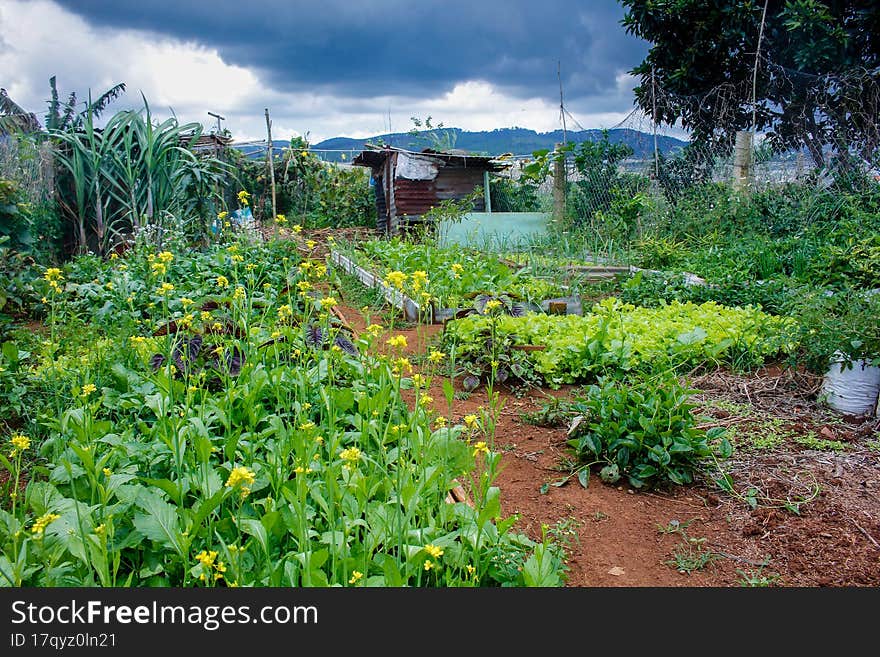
<point x="410" y="183"/>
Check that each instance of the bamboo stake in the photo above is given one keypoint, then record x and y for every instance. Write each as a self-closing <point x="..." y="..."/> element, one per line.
<point x="271" y="159"/>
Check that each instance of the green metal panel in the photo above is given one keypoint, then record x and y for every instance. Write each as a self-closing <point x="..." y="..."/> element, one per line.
<point x="494" y="229"/>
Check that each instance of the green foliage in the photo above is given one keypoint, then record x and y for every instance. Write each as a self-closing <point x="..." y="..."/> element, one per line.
<point x="601" y="195"/>
<point x="133" y="173"/>
<point x="202" y="423"/>
<point x="817" y="83"/>
<point x="619" y="337"/>
<point x="642" y="429"/>
<point x="308" y="192"/>
<point x="456" y="276"/>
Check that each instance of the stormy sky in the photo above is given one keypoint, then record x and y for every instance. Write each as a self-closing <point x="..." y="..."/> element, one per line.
<point x="330" y="68"/>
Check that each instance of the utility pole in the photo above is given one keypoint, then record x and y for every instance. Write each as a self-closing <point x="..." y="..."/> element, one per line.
<point x="561" y="103"/>
<point x="219" y="118"/>
<point x="271" y="160"/>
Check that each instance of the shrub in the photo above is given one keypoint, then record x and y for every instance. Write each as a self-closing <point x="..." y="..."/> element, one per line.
<point x="641" y="429"/>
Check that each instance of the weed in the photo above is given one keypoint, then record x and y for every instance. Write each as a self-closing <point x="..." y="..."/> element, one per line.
<point x="599" y="516"/>
<point x="757" y="578"/>
<point x="689" y="555"/>
<point x="810" y="441"/>
<point x="552" y="413"/>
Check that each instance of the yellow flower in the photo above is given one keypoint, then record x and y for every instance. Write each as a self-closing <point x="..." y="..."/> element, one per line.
<point x="397" y="341"/>
<point x="186" y="302"/>
<point x="304" y="286"/>
<point x="428" y="564"/>
<point x="492" y="304"/>
<point x="53" y="274"/>
<point x="240" y="475"/>
<point x="374" y="329"/>
<point x="232" y="248"/>
<point x="206" y="558"/>
<point x="350" y="454"/>
<point x="480" y="448"/>
<point x="418" y="380"/>
<point x="296" y="228"/>
<point x="88" y="389"/>
<point x="20" y="442"/>
<point x="159" y="268"/>
<point x="281" y="219"/>
<point x="222" y="281"/>
<point x="470" y="421"/>
<point x="440" y="421"/>
<point x="403" y="364"/>
<point x="164" y="289"/>
<point x="166" y="256"/>
<point x="419" y="279"/>
<point x="222" y="215"/>
<point x="137" y="339"/>
<point x="395" y="279"/>
<point x="250" y="266"/>
<point x="107" y="472"/>
<point x="426" y="400"/>
<point x="239" y="293"/>
<point x="42" y="522"/>
<point x="434" y="551"/>
<point x="114" y="255"/>
<point x="311" y="244"/>
<point x="205" y="315"/>
<point x="237" y="258"/>
<point x="243" y="197"/>
<point x="328" y="302"/>
<point x="109" y="285"/>
<point x="284" y="312"/>
<point x="436" y="356"/>
<point x="305" y="426"/>
<point x="355" y="577"/>
<point x="100" y="529"/>
<point x="456" y="270"/>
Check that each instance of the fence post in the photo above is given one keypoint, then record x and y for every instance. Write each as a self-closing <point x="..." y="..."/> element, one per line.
<point x="743" y="155"/>
<point x="558" y="185"/>
<point x="486" y="198"/>
<point x="270" y="160"/>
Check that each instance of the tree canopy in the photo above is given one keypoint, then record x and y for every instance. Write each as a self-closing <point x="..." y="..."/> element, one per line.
<point x="818" y="70"/>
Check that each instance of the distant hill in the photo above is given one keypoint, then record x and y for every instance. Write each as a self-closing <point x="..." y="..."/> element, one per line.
<point x="518" y="141"/>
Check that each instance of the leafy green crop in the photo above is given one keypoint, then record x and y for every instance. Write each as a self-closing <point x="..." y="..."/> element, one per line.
<point x="642" y="429"/>
<point x="454" y="275"/>
<point x="621" y="337"/>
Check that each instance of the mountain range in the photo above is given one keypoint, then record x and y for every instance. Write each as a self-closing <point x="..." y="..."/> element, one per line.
<point x="518" y="141"/>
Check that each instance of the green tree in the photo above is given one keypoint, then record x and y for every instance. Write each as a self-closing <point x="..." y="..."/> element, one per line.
<point x="64" y="116"/>
<point x="818" y="73"/>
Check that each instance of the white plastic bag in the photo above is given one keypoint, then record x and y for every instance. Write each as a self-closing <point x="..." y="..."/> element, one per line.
<point x="851" y="390"/>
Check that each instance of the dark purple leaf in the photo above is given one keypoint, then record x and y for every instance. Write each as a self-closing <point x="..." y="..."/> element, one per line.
<point x="314" y="336"/>
<point x="346" y="345"/>
<point x="501" y="375"/>
<point x="470" y="382"/>
<point x="157" y="361"/>
<point x="517" y="309"/>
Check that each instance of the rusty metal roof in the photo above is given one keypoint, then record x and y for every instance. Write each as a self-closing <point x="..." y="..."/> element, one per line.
<point x="374" y="157"/>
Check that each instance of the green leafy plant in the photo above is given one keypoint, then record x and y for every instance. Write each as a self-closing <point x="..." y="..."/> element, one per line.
<point x="643" y="430"/>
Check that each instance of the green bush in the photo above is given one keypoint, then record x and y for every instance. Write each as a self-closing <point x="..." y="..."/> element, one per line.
<point x="641" y="429"/>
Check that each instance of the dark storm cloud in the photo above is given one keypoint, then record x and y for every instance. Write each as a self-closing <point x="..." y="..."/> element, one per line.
<point x="360" y="48"/>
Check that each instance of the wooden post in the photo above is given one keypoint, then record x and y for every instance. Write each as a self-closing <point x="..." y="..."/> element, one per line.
<point x="558" y="185"/>
<point x="743" y="154"/>
<point x="271" y="159"/>
<point x="486" y="198"/>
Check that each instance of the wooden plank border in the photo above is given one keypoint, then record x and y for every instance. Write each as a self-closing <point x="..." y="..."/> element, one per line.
<point x="411" y="310"/>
